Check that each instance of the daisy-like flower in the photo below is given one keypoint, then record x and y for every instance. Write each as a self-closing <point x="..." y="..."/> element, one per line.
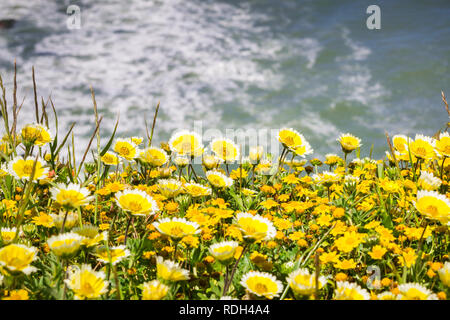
<point x="136" y="202"/>
<point x="170" y="271"/>
<point x="256" y="154"/>
<point x="211" y="161"/>
<point x="86" y="283"/>
<point x="65" y="245"/>
<point x="126" y="149"/>
<point x="8" y="234"/>
<point x="90" y="234"/>
<point x="117" y="254"/>
<point x="349" y="142"/>
<point x="225" y="149"/>
<point x="71" y="219"/>
<point x="433" y="206"/>
<point x="332" y="159"/>
<point x="326" y="178"/>
<point x="218" y="179"/>
<point x="387" y="295"/>
<point x="443" y="144"/>
<point x="154" y="290"/>
<point x="137" y="140"/>
<point x="186" y="143"/>
<point x="303" y="150"/>
<point x="181" y="161"/>
<point x="255" y="227"/>
<point x="423" y="147"/>
<point x="415" y="291"/>
<point x="350" y="291"/>
<point x="248" y="192"/>
<point x="16" y="258"/>
<point x="427" y="181"/>
<point x="223" y="251"/>
<point x="262" y="284"/>
<point x="36" y="134"/>
<point x="400" y="143"/>
<point x="3" y="170"/>
<point x="155" y="157"/>
<point x="22" y="169"/>
<point x="110" y="159"/>
<point x="444" y="274"/>
<point x="302" y="282"/>
<point x="71" y="196"/>
<point x="169" y="188"/>
<point x="197" y="190"/>
<point x="290" y="138"/>
<point x="177" y="228"/>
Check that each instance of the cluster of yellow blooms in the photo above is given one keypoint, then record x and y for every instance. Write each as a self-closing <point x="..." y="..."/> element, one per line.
<point x="141" y="223"/>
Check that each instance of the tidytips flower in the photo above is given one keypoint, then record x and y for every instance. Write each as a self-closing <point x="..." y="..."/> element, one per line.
<point x="112" y="254"/>
<point x="255" y="227"/>
<point x="154" y="290"/>
<point x="170" y="271"/>
<point x="16" y="258"/>
<point x="433" y="206"/>
<point x="223" y="251"/>
<point x="36" y="134"/>
<point x="177" y="228"/>
<point x="169" y="188"/>
<point x="422" y="147"/>
<point x="218" y="179"/>
<point x="110" y="159"/>
<point x="8" y="234"/>
<point x="86" y="283"/>
<point x="427" y="181"/>
<point x="197" y="190"/>
<point x="415" y="291"/>
<point x="350" y="291"/>
<point x="444" y="274"/>
<point x="22" y="169"/>
<point x="186" y="143"/>
<point x="290" y="138"/>
<point x="349" y="142"/>
<point x="262" y="284"/>
<point x="225" y="149"/>
<point x="155" y="157"/>
<point x="65" y="245"/>
<point x="126" y="149"/>
<point x="302" y="282"/>
<point x="136" y="202"/>
<point x="70" y="196"/>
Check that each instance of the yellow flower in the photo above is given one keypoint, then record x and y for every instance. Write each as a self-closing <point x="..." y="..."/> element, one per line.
<point x="36" y="134"/>
<point x="170" y="271"/>
<point x="218" y="179"/>
<point x="443" y="144"/>
<point x="415" y="291"/>
<point x="20" y="294"/>
<point x="268" y="204"/>
<point x="444" y="274"/>
<point x="345" y="264"/>
<point x="433" y="206"/>
<point x="186" y="143"/>
<point x="90" y="235"/>
<point x="169" y="188"/>
<point x="16" y="258"/>
<point x="290" y="138"/>
<point x="330" y="257"/>
<point x="136" y="202"/>
<point x="291" y="179"/>
<point x="349" y="241"/>
<point x="349" y="142"/>
<point x="256" y="153"/>
<point x="70" y="196"/>
<point x="137" y="140"/>
<point x="350" y="291"/>
<point x="262" y="284"/>
<point x="211" y="161"/>
<point x="110" y="159"/>
<point x="255" y="227"/>
<point x="65" y="245"/>
<point x="154" y="156"/>
<point x="22" y="169"/>
<point x="238" y="174"/>
<point x="422" y="147"/>
<point x="86" y="283"/>
<point x="154" y="290"/>
<point x="197" y="190"/>
<point x="177" y="228"/>
<point x="225" y="149"/>
<point x="7" y="234"/>
<point x="71" y="218"/>
<point x="43" y="219"/>
<point x="408" y="257"/>
<point x="377" y="252"/>
<point x="223" y="251"/>
<point x="302" y="282"/>
<point x="114" y="256"/>
<point x="428" y="181"/>
<point x="125" y="149"/>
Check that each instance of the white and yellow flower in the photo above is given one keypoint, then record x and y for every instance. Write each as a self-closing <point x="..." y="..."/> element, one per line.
<point x="197" y="190"/>
<point x="255" y="227"/>
<point x="444" y="274"/>
<point x="71" y="196"/>
<point x="262" y="284"/>
<point x="349" y="142"/>
<point x="415" y="291"/>
<point x="154" y="290"/>
<point x="169" y="188"/>
<point x="186" y="143"/>
<point x="136" y="202"/>
<point x="126" y="149"/>
<point x="155" y="157"/>
<point x="177" y="228"/>
<point x="218" y="179"/>
<point x="22" y="169"/>
<point x="433" y="205"/>
<point x="16" y="258"/>
<point x="112" y="254"/>
<point x="423" y="147"/>
<point x="86" y="283"/>
<point x="225" y="149"/>
<point x="170" y="271"/>
<point x="110" y="159"/>
<point x="427" y="181"/>
<point x="350" y="291"/>
<point x="65" y="245"/>
<point x="8" y="234"/>
<point x="223" y="251"/>
<point x="302" y="282"/>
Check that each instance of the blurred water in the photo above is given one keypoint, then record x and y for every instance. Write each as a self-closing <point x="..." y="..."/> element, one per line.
<point x="311" y="65"/>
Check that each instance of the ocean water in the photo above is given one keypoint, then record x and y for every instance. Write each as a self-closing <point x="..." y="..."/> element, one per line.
<point x="310" y="65"/>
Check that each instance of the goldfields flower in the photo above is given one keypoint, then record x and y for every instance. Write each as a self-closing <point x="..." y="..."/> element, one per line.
<point x="255" y="227"/>
<point x="225" y="149"/>
<point x="177" y="228"/>
<point x="170" y="271"/>
<point x="290" y="138"/>
<point x="423" y="147"/>
<point x="262" y="284"/>
<point x="90" y="234"/>
<point x="137" y="140"/>
<point x="136" y="202"/>
<point x="197" y="190"/>
<point x="349" y="241"/>
<point x="86" y="283"/>
<point x="427" y="181"/>
<point x="20" y="294"/>
<point x="36" y="134"/>
<point x="223" y="251"/>
<point x="433" y="206"/>
<point x="8" y="234"/>
<point x="332" y="159"/>
<point x="70" y="196"/>
<point x="21" y="169"/>
<point x="256" y="154"/>
<point x="156" y="157"/>
<point x="126" y="149"/>
<point x="218" y="179"/>
<point x="117" y="254"/>
<point x="443" y="144"/>
<point x="444" y="274"/>
<point x="65" y="245"/>
<point x="211" y="161"/>
<point x="71" y="219"/>
<point x="350" y="291"/>
<point x="302" y="282"/>
<point x="16" y="258"/>
<point x="110" y="159"/>
<point x="186" y="143"/>
<point x="415" y="291"/>
<point x="349" y="142"/>
<point x="169" y="188"/>
<point x="154" y="290"/>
